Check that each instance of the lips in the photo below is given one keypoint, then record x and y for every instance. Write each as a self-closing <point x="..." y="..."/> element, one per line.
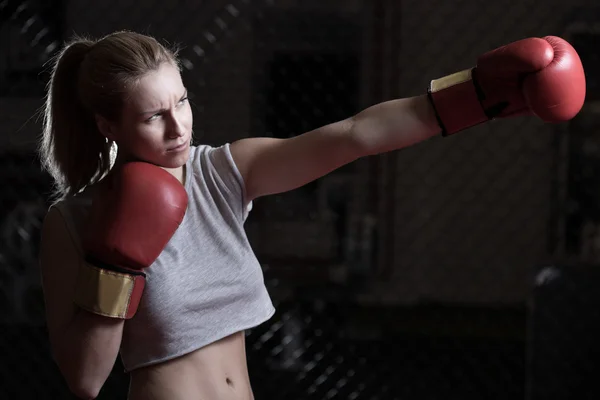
<point x="178" y="147"/>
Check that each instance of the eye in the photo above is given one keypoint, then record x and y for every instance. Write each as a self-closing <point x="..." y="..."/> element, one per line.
<point x="152" y="118"/>
<point x="183" y="100"/>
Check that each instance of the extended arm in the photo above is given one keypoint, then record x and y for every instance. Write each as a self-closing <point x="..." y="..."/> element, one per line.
<point x="543" y="77"/>
<point x="271" y="165"/>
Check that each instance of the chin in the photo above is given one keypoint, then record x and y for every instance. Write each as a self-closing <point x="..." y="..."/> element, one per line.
<point x="175" y="160"/>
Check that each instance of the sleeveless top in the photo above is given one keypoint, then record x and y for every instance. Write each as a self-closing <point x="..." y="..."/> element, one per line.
<point x="207" y="283"/>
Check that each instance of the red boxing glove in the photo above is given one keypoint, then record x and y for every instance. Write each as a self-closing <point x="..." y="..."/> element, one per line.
<point x="535" y="76"/>
<point x="135" y="212"/>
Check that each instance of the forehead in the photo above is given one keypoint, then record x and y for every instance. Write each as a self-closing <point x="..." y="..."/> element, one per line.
<point x="157" y="89"/>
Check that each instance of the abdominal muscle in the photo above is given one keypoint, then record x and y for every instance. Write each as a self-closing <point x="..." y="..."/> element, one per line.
<point x="215" y="372"/>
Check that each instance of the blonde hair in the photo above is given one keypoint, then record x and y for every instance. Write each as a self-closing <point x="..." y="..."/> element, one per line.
<point x="91" y="78"/>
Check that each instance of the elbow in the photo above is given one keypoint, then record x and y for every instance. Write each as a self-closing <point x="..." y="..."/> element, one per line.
<point x="82" y="386"/>
<point x="85" y="391"/>
<point x="85" y="352"/>
<point x="81" y="383"/>
<point x="356" y="144"/>
<point x="360" y="141"/>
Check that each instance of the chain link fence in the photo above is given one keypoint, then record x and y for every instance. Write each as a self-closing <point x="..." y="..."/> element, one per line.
<point x="422" y="273"/>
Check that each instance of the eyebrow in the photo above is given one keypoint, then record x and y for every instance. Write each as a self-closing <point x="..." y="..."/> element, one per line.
<point x="185" y="92"/>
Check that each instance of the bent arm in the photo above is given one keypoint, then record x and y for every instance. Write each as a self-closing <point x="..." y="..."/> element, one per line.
<point x="84" y="345"/>
<point x="271" y="166"/>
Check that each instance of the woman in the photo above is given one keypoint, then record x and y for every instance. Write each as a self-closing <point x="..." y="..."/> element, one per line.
<point x="123" y="94"/>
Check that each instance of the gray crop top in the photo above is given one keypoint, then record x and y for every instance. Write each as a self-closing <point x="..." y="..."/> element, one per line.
<point x="207" y="282"/>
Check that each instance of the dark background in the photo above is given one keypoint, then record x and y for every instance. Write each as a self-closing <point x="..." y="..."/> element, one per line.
<point x="462" y="268"/>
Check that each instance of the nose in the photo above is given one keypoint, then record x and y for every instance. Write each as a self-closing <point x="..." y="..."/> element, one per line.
<point x="176" y="127"/>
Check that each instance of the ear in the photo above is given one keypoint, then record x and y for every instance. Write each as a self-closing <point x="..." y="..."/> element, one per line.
<point x="106" y="128"/>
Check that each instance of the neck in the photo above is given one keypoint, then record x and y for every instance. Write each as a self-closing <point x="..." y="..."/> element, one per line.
<point x="178" y="173"/>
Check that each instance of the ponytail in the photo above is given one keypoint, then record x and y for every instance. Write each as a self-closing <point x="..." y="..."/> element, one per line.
<point x="72" y="148"/>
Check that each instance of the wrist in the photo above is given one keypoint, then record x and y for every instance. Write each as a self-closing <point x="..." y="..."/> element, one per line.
<point x="108" y="290"/>
<point x="455" y="99"/>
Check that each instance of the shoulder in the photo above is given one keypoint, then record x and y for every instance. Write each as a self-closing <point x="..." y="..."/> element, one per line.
<point x="215" y="170"/>
<point x="207" y="150"/>
<point x="58" y="240"/>
<point x="67" y="216"/>
<point x="212" y="158"/>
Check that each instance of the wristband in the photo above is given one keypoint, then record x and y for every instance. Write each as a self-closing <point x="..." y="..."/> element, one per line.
<point x="108" y="290"/>
<point x="456" y="101"/>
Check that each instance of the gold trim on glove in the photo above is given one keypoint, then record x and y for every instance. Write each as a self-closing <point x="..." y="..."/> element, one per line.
<point x="104" y="292"/>
<point x="451" y="80"/>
